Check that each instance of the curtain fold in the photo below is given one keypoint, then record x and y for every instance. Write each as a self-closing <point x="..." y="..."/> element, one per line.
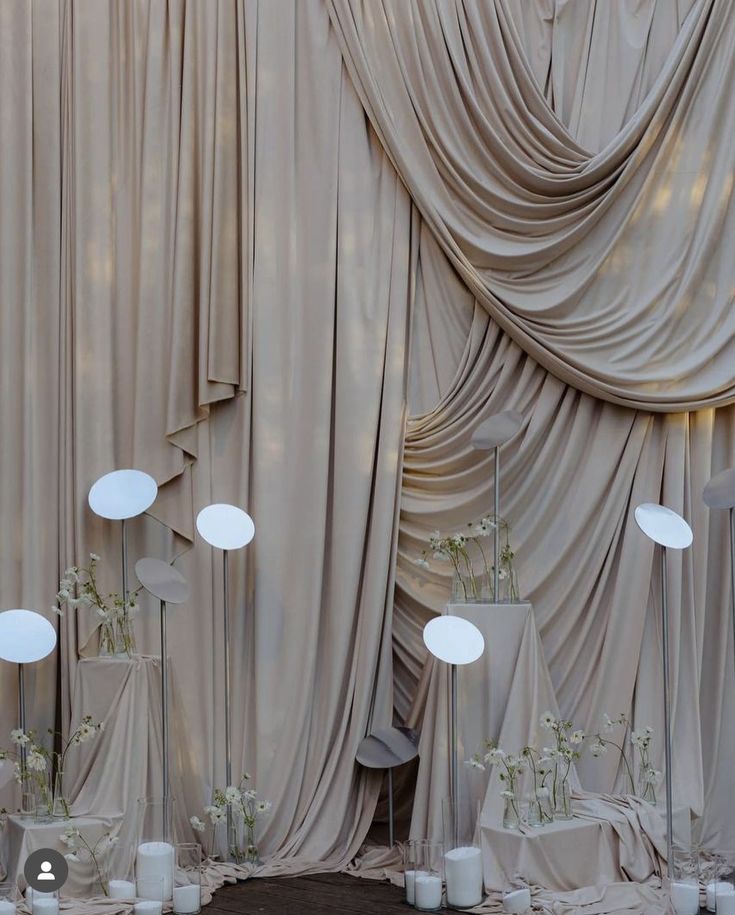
<point x="609" y="267"/>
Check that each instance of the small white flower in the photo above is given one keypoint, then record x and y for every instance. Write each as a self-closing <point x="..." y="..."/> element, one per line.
<point x="475" y="763"/>
<point x="577" y="737"/>
<point x="232" y="794"/>
<point x="36" y="761"/>
<point x="502" y="574"/>
<point x="598" y="749"/>
<point x="548" y="721"/>
<point x="507" y="794"/>
<point x="495" y="755"/>
<point x="609" y="723"/>
<point x="649" y="730"/>
<point x="422" y="563"/>
<point x="71" y="856"/>
<point x="18" y="737"/>
<point x="57" y="610"/>
<point x="263" y="806"/>
<point x="94" y="557"/>
<point x="63" y="595"/>
<point x="215" y="814"/>
<point x="196" y="824"/>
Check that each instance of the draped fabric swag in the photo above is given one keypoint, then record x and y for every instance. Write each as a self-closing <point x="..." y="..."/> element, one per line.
<point x="237" y="260"/>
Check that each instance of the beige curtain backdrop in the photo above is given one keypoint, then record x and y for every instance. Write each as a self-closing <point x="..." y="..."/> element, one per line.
<point x="208" y="265"/>
<point x="565" y="245"/>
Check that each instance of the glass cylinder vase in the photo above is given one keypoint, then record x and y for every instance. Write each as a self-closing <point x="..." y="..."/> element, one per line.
<point x="188" y="879"/>
<point x="562" y="799"/>
<point x="155" y="844"/>
<point x="511" y="810"/>
<point x="61" y="807"/>
<point x="410" y="864"/>
<point x="462" y="854"/>
<point x="684" y="886"/>
<point x="428" y="879"/>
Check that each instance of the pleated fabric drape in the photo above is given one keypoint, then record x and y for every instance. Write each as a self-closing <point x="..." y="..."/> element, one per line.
<point x="571" y="249"/>
<point x="241" y="241"/>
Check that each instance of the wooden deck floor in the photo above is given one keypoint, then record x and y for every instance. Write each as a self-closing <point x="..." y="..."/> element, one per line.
<point x="315" y="895"/>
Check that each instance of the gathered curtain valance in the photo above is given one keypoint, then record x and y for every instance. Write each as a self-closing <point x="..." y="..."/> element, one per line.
<point x="612" y="268"/>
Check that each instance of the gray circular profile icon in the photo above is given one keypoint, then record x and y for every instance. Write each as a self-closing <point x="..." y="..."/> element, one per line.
<point x="46" y="870"/>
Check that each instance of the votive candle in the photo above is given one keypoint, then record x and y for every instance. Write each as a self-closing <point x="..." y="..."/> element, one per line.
<point x="517" y="901"/>
<point x="427" y="891"/>
<point x="187" y="899"/>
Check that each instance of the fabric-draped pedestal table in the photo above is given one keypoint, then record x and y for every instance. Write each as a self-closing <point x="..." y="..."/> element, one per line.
<point x="501" y="697"/>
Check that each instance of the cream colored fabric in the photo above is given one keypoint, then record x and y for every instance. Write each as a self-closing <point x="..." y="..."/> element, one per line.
<point x="195" y="212"/>
<point x="180" y="281"/>
<point x="610" y="267"/>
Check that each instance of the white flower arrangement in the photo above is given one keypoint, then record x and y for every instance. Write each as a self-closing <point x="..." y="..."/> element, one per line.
<point x="245" y="807"/>
<point x="80" y="849"/>
<point x="39" y="761"/>
<point x="456" y="549"/>
<point x="641" y="741"/>
<point x="78" y="589"/>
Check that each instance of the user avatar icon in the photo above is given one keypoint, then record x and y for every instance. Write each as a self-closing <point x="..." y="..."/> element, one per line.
<point x="46" y="870"/>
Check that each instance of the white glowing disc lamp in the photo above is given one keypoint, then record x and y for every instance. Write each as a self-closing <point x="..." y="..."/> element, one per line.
<point x="456" y="642"/>
<point x="119" y="496"/>
<point x="226" y="527"/>
<point x="25" y="638"/>
<point x="671" y="532"/>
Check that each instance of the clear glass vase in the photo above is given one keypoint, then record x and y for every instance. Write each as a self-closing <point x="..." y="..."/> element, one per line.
<point x="43" y="799"/>
<point x="154" y="860"/>
<point x="511" y="811"/>
<point x="61" y="807"/>
<point x="647" y="788"/>
<point x="562" y="798"/>
<point x="117" y="638"/>
<point x="462" y="853"/>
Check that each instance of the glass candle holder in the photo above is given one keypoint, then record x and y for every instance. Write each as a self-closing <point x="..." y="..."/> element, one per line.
<point x="120" y="872"/>
<point x="155" y="852"/>
<point x="684" y="886"/>
<point x="410" y="864"/>
<point x="188" y="879"/>
<point x="8" y="898"/>
<point x="725" y="887"/>
<point x="46" y="903"/>
<point x="719" y="878"/>
<point x="150" y="890"/>
<point x="462" y="854"/>
<point x="428" y="878"/>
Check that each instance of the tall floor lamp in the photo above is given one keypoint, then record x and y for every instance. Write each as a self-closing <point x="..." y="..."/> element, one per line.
<point x="720" y="493"/>
<point x="119" y="496"/>
<point x="671" y="532"/>
<point x="490" y="435"/>
<point x="25" y="637"/>
<point x="457" y="642"/>
<point x="226" y="527"/>
<point x="170" y="587"/>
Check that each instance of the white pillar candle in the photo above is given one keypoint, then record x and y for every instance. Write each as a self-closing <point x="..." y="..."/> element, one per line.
<point x="47" y="906"/>
<point x="148" y="907"/>
<point x="685" y="898"/>
<point x="463" y="871"/>
<point x="187" y="899"/>
<point x="409" y="877"/>
<point x="155" y="860"/>
<point x="122" y="889"/>
<point x="725" y="902"/>
<point x="31" y="893"/>
<point x="7" y="907"/>
<point x="427" y="891"/>
<point x="712" y="890"/>
<point x="517" y="901"/>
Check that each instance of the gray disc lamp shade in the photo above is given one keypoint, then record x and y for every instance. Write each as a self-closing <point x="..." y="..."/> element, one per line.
<point x="170" y="587"/>
<point x="490" y="435"/>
